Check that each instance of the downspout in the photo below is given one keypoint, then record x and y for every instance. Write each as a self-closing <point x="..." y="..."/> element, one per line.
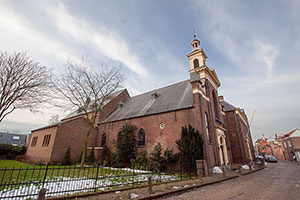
<point x="238" y="133"/>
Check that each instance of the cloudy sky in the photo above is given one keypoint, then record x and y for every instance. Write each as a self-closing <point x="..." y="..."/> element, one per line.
<point x="254" y="47"/>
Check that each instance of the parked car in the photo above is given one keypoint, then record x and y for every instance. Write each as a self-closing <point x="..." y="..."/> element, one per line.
<point x="270" y="159"/>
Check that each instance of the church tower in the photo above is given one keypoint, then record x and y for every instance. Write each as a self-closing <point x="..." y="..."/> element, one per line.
<point x="209" y="113"/>
<point x="197" y="59"/>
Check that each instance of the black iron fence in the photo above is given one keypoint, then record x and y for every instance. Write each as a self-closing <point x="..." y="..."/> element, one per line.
<point x="24" y="183"/>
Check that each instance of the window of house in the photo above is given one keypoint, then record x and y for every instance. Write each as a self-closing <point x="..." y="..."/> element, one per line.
<point x="15" y="137"/>
<point x="141" y="137"/>
<point x="284" y="144"/>
<point x="196" y="63"/>
<point x="207" y="127"/>
<point x="289" y="143"/>
<point x="34" y="141"/>
<point x="103" y="141"/>
<point x="46" y="140"/>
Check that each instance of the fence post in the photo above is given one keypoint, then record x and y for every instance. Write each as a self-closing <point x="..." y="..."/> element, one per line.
<point x="97" y="173"/>
<point x="180" y="170"/>
<point x="150" y="185"/>
<point x="133" y="166"/>
<point x="42" y="194"/>
<point x="45" y="176"/>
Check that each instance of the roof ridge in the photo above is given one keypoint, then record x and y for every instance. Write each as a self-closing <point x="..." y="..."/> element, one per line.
<point x="154" y="90"/>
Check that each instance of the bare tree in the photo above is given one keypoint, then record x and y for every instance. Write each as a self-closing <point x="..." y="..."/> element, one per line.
<point x="53" y="119"/>
<point x="24" y="83"/>
<point x="87" y="89"/>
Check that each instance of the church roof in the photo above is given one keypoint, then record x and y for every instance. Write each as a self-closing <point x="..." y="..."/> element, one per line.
<point x="227" y="106"/>
<point x="173" y="97"/>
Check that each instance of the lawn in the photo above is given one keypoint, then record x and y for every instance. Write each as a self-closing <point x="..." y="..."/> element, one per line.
<point x="13" y="163"/>
<point x="25" y="179"/>
<point x="17" y="173"/>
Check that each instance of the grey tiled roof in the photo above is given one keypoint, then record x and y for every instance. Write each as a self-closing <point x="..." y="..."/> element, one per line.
<point x="12" y="138"/>
<point x="227" y="106"/>
<point x="173" y="97"/>
<point x="79" y="112"/>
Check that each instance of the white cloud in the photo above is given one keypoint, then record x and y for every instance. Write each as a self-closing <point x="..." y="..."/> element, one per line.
<point x="106" y="42"/>
<point x="266" y="53"/>
<point x="18" y="34"/>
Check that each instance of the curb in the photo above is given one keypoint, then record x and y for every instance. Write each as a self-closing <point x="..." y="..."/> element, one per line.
<point x="182" y="190"/>
<point x="250" y="172"/>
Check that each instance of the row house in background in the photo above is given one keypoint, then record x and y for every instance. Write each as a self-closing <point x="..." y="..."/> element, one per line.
<point x="264" y="146"/>
<point x="291" y="145"/>
<point x="158" y="115"/>
<point x="13" y="138"/>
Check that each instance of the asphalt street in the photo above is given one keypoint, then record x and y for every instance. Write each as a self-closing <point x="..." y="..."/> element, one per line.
<point x="278" y="181"/>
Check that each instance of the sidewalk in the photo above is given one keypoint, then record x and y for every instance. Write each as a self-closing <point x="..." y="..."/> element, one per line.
<point x="164" y="189"/>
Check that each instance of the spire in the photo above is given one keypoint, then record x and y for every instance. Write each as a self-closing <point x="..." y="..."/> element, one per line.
<point x="195" y="43"/>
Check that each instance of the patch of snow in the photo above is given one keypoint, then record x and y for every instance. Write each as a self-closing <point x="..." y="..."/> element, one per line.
<point x="245" y="167"/>
<point x="176" y="187"/>
<point x="117" y="192"/>
<point x="186" y="186"/>
<point x="70" y="186"/>
<point x="133" y="196"/>
<point x="217" y="170"/>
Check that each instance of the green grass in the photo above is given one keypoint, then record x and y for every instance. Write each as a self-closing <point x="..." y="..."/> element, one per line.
<point x="13" y="163"/>
<point x="14" y="172"/>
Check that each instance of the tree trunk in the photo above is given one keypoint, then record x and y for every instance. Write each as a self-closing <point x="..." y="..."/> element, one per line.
<point x="85" y="145"/>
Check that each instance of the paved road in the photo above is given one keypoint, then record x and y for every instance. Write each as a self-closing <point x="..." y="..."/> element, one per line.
<point x="279" y="181"/>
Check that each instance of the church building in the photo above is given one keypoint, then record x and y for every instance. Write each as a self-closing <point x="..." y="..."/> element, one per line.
<point x="159" y="116"/>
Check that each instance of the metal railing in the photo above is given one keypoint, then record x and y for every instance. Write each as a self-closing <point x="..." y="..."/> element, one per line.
<point x="24" y="183"/>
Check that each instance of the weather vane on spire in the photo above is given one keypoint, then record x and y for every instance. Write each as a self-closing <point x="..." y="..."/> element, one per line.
<point x="194" y="34"/>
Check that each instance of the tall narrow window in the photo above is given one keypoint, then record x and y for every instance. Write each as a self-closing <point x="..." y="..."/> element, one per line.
<point x="207" y="127"/>
<point x="34" y="141"/>
<point x="46" y="140"/>
<point x="103" y="141"/>
<point x="141" y="137"/>
<point x="196" y="63"/>
<point x="216" y="105"/>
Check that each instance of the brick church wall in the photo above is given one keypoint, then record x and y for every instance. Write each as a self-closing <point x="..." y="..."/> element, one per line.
<point x="38" y="152"/>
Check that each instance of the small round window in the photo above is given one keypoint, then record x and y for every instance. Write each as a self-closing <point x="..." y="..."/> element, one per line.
<point x="162" y="125"/>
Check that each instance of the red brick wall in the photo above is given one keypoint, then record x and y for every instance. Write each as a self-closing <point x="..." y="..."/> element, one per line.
<point x="296" y="142"/>
<point x="232" y="131"/>
<point x="71" y="134"/>
<point x="39" y="153"/>
<point x="166" y="137"/>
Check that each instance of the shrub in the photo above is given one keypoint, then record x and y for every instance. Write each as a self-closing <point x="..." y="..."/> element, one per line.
<point x="67" y="158"/>
<point x="190" y="147"/>
<point x="156" y="158"/>
<point x="10" y="151"/>
<point x="105" y="156"/>
<point x="125" y="146"/>
<point x="91" y="159"/>
<point x="142" y="159"/>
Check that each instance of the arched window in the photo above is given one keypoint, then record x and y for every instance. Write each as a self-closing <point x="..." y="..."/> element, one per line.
<point x="141" y="137"/>
<point x="207" y="127"/>
<point x="103" y="141"/>
<point x="216" y="105"/>
<point x="196" y="63"/>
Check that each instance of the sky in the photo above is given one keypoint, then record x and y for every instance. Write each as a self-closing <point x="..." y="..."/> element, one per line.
<point x="254" y="47"/>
